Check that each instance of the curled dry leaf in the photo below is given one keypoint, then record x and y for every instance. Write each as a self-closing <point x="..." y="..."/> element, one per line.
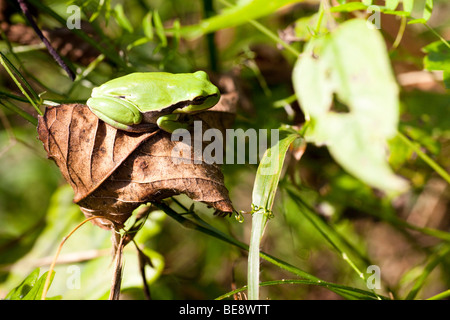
<point x="112" y="172"/>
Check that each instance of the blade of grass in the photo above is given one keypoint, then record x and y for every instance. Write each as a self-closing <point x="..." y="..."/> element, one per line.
<point x="80" y="77"/>
<point x="343" y="247"/>
<point x="203" y="227"/>
<point x="434" y="261"/>
<point x="414" y="146"/>
<point x="8" y="66"/>
<point x="440" y="296"/>
<point x="4" y="94"/>
<point x="353" y="292"/>
<point x="10" y="106"/>
<point x="264" y="190"/>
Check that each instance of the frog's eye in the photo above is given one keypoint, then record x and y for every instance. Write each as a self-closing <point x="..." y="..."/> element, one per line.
<point x="199" y="100"/>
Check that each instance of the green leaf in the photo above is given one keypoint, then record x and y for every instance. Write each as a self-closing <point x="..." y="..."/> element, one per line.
<point x="351" y="68"/>
<point x="234" y="16"/>
<point x="447" y="78"/>
<point x="428" y="10"/>
<point x="438" y="56"/>
<point x="408" y="5"/>
<point x="22" y="290"/>
<point x="349" y="7"/>
<point x="31" y="287"/>
<point x="264" y="190"/>
<point x="159" y="29"/>
<point x="147" y="25"/>
<point x="122" y="19"/>
<point x="414" y="21"/>
<point x="392" y="4"/>
<point x="36" y="291"/>
<point x="269" y="170"/>
<point x="419" y="9"/>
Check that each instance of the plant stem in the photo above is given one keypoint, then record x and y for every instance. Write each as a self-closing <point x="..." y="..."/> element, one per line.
<point x="202" y="226"/>
<point x="438" y="35"/>
<point x="212" y="50"/>
<point x="259" y="220"/>
<point x="441" y="295"/>
<point x="274" y="37"/>
<point x="358" y="293"/>
<point x="51" y="50"/>
<point x="436" y="167"/>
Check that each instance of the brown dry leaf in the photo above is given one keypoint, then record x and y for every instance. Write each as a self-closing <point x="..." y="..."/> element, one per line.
<point x="112" y="172"/>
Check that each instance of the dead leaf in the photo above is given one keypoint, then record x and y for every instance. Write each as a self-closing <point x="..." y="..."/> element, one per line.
<point x="112" y="172"/>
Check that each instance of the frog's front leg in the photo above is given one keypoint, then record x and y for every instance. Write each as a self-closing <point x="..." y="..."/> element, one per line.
<point x="117" y="112"/>
<point x="171" y="122"/>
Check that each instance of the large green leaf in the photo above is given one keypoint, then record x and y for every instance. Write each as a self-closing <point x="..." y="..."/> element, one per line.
<point x="350" y="68"/>
<point x="234" y="16"/>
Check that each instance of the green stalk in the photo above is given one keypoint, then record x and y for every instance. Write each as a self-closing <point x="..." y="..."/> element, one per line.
<point x="212" y="50"/>
<point x="259" y="220"/>
<point x="264" y="190"/>
<point x="274" y="37"/>
<point x="413" y="145"/>
<point x="203" y="227"/>
<point x="354" y="292"/>
<point x="7" y="64"/>
<point x="441" y="296"/>
<point x="19" y="111"/>
<point x="434" y="261"/>
<point x="438" y="35"/>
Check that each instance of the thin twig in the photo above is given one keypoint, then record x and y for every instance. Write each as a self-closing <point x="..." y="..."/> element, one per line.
<point x="118" y="268"/>
<point x="52" y="266"/>
<point x="53" y="53"/>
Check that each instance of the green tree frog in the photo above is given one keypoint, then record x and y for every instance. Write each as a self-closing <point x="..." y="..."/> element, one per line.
<point x="143" y="101"/>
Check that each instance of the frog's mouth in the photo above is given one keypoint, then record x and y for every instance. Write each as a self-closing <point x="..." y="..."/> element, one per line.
<point x="206" y="101"/>
<point x="181" y="107"/>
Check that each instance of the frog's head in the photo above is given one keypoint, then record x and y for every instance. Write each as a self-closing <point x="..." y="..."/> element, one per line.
<point x="203" y="94"/>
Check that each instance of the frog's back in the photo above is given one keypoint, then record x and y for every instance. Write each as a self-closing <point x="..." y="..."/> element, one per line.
<point x="157" y="90"/>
